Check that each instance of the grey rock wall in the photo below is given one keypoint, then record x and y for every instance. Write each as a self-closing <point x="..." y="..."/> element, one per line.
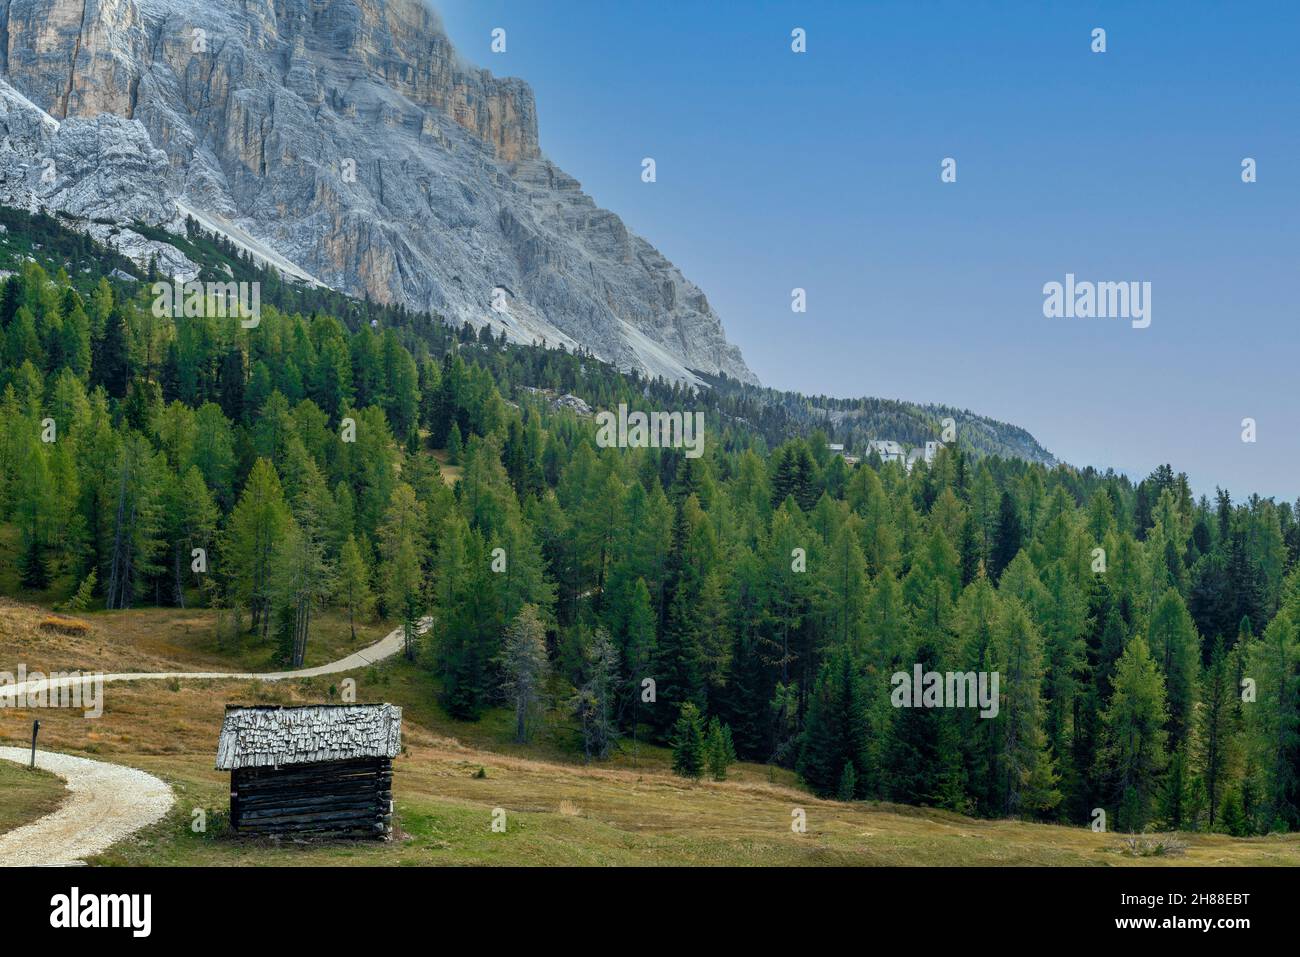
<point x="348" y="137"/>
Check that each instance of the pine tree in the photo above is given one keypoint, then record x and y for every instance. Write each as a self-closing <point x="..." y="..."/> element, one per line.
<point x="1023" y="761"/>
<point x="352" y="588"/>
<point x="969" y="548"/>
<point x="300" y="579"/>
<point x="846" y="587"/>
<point x="110" y="356"/>
<point x="978" y="611"/>
<point x="258" y="522"/>
<point x="688" y="743"/>
<point x="680" y="663"/>
<point x="1233" y="819"/>
<point x="835" y="728"/>
<point x="719" y="752"/>
<point x="594" y="702"/>
<point x="33" y="574"/>
<point x="1133" y="753"/>
<point x="1176" y="646"/>
<point x="84" y="594"/>
<point x="455" y="445"/>
<point x="404" y="594"/>
<point x="1273" y="722"/>
<point x="1008" y="538"/>
<point x="847" y="788"/>
<point x="525" y="667"/>
<point x="1176" y="794"/>
<point x="638" y="651"/>
<point x="1216" y="728"/>
<point x="136" y="522"/>
<point x="1064" y="619"/>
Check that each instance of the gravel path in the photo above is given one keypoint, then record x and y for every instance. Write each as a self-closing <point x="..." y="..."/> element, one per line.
<point x="384" y="648"/>
<point x="106" y="802"/>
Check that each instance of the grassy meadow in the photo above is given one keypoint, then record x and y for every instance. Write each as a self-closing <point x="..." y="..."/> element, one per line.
<point x="453" y="776"/>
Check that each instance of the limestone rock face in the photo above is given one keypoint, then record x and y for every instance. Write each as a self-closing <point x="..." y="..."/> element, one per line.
<point x="349" y="139"/>
<point x="103" y="172"/>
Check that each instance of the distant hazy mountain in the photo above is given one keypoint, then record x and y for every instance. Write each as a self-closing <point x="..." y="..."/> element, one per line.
<point x="346" y="142"/>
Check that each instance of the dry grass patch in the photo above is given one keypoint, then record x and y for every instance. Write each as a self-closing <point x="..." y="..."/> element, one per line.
<point x="451" y="474"/>
<point x="64" y="626"/>
<point x="158" y="639"/>
<point x="188" y="638"/>
<point x="25" y="637"/>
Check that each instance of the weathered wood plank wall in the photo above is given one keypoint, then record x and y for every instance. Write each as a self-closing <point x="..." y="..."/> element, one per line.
<point x="336" y="798"/>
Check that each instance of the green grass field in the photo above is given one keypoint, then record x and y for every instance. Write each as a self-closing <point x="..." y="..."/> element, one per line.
<point x="27" y="794"/>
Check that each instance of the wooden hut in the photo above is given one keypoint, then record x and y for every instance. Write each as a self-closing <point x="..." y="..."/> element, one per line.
<point x="320" y="770"/>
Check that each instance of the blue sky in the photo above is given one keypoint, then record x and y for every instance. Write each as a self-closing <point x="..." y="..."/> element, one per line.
<point x="821" y="171"/>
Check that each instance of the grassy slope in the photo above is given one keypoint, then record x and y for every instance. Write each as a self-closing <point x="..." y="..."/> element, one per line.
<point x="558" y="810"/>
<point x="163" y="639"/>
<point x="450" y="473"/>
<point x="27" y="794"/>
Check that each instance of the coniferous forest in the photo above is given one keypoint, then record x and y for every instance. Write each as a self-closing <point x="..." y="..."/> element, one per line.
<point x="749" y="604"/>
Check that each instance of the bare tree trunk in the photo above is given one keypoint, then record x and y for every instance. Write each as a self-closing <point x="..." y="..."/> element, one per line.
<point x="112" y="598"/>
<point x="180" y="584"/>
<point x="302" y="620"/>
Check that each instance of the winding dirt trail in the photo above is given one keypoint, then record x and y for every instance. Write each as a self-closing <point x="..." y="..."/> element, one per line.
<point x="108" y="802"/>
<point x="386" y="647"/>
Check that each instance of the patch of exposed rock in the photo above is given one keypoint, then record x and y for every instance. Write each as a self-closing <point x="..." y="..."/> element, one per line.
<point x="103" y="172"/>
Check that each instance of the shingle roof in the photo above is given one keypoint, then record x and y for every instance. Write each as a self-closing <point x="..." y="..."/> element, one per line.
<point x="274" y="735"/>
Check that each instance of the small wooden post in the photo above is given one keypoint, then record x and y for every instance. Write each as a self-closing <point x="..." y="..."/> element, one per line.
<point x="36" y="726"/>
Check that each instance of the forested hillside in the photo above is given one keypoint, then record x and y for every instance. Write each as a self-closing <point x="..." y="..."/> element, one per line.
<point x="764" y="592"/>
<point x="855" y="422"/>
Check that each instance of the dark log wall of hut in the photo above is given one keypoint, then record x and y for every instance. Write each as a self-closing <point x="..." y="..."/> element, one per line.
<point x="329" y="798"/>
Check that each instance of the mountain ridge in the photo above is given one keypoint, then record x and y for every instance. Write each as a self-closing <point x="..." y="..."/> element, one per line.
<point x="54" y="243"/>
<point x="123" y="120"/>
<point x="350" y="139"/>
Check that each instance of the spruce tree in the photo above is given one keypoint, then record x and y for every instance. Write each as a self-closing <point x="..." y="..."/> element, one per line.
<point x="719" y="751"/>
<point x="835" y="728"/>
<point x="1233" y="820"/>
<point x="1273" y="722"/>
<point x="1008" y="538"/>
<point x="1133" y="755"/>
<point x="1176" y="645"/>
<point x="525" y="667"/>
<point x="848" y="786"/>
<point x="455" y="446"/>
<point x="1216" y="728"/>
<point x="1026" y="777"/>
<point x="595" y="700"/>
<point x="688" y="743"/>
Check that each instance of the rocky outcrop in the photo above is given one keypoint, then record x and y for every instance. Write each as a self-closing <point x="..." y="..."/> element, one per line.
<point x="348" y="138"/>
<point x="102" y="173"/>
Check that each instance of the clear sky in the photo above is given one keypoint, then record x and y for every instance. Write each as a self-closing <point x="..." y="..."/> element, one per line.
<point x="821" y="170"/>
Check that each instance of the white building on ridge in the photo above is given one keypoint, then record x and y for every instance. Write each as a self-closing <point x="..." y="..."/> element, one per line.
<point x="891" y="451"/>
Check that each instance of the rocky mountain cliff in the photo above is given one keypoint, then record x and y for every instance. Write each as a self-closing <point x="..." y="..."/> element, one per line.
<point x="346" y="142"/>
